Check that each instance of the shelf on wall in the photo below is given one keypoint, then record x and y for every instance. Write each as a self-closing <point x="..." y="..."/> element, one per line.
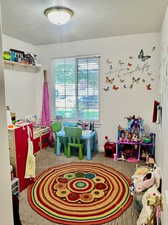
<point x="22" y="66"/>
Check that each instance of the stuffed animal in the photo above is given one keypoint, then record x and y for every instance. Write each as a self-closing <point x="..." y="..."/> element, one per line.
<point x="141" y="170"/>
<point x="134" y="138"/>
<point x="151" y="201"/>
<point x="122" y="137"/>
<point x="150" y="161"/>
<point x="135" y="125"/>
<point x="122" y="158"/>
<point x="144" y="178"/>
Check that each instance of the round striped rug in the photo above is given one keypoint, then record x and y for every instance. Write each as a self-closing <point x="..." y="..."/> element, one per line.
<point x="80" y="193"/>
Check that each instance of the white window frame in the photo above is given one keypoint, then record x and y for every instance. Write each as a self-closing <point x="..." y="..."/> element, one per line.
<point x="53" y="95"/>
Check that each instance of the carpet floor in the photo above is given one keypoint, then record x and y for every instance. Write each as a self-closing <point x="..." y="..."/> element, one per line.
<point x="46" y="159"/>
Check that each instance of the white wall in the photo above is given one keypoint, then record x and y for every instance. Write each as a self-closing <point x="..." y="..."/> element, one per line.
<point x="6" y="211"/>
<point x="23" y="87"/>
<point x="114" y="105"/>
<point x="10" y="42"/>
<point x="163" y="129"/>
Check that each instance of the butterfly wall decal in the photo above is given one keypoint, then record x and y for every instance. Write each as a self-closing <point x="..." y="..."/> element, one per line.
<point x="108" y="80"/>
<point x="143" y="80"/>
<point x="136" y="80"/>
<point x="120" y="62"/>
<point x="143" y="57"/>
<point x="125" y="86"/>
<point x="130" y="57"/>
<point x="115" y="87"/>
<point x="106" y="88"/>
<point x="152" y="79"/>
<point x="148" y="87"/>
<point x="109" y="61"/>
<point x="131" y="86"/>
<point x="154" y="48"/>
<point x="129" y="64"/>
<point x="122" y="81"/>
<point x="149" y="74"/>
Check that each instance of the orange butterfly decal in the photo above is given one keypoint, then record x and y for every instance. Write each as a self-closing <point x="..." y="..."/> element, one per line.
<point x="106" y="88"/>
<point x="115" y="87"/>
<point x="148" y="87"/>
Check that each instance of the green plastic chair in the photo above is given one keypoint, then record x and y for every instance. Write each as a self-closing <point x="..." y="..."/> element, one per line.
<point x="73" y="135"/>
<point x="56" y="127"/>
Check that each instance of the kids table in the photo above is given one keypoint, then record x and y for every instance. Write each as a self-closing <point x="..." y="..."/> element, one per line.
<point x="89" y="138"/>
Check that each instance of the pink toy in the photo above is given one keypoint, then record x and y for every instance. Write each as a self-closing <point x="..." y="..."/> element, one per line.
<point x="142" y="182"/>
<point x="132" y="160"/>
<point x="115" y="156"/>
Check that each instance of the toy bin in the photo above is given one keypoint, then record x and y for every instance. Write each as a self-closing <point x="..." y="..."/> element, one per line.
<point x="110" y="149"/>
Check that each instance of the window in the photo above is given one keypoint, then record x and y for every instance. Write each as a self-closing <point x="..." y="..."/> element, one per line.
<point x="77" y="88"/>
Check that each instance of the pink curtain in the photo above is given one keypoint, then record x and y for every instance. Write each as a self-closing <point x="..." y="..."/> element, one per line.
<point x="46" y="114"/>
<point x="45" y="117"/>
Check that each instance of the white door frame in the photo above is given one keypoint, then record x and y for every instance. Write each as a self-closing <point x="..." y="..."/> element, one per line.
<point x="6" y="213"/>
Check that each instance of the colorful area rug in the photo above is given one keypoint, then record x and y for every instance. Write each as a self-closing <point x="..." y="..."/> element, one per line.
<point x="80" y="193"/>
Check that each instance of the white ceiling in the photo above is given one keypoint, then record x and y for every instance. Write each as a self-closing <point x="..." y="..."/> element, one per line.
<point x="24" y="19"/>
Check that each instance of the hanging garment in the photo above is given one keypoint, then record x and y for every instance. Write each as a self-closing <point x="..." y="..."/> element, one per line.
<point x="155" y="111"/>
<point x="30" y="162"/>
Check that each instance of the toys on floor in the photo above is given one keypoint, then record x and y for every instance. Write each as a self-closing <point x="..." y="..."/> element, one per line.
<point x="122" y="158"/>
<point x="109" y="147"/>
<point x="152" y="206"/>
<point x="144" y="155"/>
<point x="147" y="197"/>
<point x="132" y="160"/>
<point x="150" y="161"/>
<point x="144" y="178"/>
<point x="141" y="171"/>
<point x="128" y="152"/>
<point x="127" y="136"/>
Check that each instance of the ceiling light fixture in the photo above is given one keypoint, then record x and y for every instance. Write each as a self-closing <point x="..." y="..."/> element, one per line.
<point x="58" y="15"/>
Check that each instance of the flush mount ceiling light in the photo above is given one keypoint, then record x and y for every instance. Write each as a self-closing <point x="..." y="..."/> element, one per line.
<point x="58" y="15"/>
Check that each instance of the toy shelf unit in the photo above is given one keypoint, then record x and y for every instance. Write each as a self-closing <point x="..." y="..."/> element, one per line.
<point x="21" y="66"/>
<point x="133" y="144"/>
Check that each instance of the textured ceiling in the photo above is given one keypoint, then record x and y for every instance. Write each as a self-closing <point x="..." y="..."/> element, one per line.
<point x="24" y="19"/>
